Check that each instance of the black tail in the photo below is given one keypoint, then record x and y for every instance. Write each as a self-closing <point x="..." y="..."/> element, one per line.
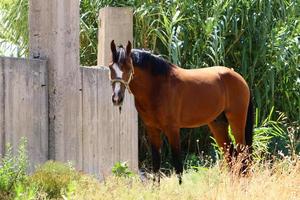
<point x="249" y="126"/>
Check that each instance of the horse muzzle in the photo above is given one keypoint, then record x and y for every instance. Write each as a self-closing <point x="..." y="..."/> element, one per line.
<point x="117" y="99"/>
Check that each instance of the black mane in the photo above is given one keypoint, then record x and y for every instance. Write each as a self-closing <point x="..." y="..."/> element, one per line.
<point x="146" y="60"/>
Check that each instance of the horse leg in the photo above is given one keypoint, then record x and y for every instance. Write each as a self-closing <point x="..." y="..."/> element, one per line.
<point x="219" y="129"/>
<point x="155" y="141"/>
<point x="173" y="136"/>
<point x="237" y="123"/>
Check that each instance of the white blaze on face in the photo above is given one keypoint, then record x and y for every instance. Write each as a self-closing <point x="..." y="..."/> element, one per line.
<point x="119" y="74"/>
<point x="118" y="71"/>
<point x="116" y="91"/>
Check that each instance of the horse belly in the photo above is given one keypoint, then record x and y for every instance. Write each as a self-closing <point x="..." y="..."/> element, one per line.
<point x="202" y="107"/>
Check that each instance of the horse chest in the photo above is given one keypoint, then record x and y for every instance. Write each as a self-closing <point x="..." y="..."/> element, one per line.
<point x="149" y="113"/>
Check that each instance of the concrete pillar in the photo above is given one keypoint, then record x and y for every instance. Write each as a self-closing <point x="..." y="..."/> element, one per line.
<point x="54" y="35"/>
<point x="122" y="141"/>
<point x="114" y="24"/>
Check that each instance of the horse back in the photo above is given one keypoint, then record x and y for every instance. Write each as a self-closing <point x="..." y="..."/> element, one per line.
<point x="198" y="96"/>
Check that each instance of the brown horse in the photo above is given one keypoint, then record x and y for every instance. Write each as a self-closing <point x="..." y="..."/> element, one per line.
<point x="168" y="98"/>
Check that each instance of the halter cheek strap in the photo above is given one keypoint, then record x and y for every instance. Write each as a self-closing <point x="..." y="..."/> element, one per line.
<point x="125" y="83"/>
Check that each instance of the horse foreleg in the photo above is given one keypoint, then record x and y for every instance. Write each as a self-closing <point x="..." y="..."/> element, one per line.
<point x="155" y="141"/>
<point x="174" y="141"/>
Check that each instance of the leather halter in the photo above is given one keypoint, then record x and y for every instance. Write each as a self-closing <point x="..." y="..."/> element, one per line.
<point x="125" y="83"/>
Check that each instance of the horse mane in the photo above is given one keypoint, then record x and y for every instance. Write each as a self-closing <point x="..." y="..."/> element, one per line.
<point x="146" y="60"/>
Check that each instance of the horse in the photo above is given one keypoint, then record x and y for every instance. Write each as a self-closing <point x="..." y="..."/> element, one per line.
<point x="168" y="98"/>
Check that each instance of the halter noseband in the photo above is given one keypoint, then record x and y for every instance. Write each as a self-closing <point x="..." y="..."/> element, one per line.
<point x="125" y="83"/>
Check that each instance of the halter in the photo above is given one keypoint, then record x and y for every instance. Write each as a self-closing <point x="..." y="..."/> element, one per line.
<point x="125" y="83"/>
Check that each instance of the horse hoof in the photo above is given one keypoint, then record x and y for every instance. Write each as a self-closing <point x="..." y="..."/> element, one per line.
<point x="180" y="180"/>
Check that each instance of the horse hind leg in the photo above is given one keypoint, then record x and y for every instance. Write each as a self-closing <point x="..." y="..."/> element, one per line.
<point x="237" y="121"/>
<point x="219" y="129"/>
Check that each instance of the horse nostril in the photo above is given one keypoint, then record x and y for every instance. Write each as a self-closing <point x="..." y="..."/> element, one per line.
<point x="117" y="99"/>
<point x="114" y="99"/>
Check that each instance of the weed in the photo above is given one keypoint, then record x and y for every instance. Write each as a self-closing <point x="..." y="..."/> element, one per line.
<point x="13" y="169"/>
<point x="120" y="169"/>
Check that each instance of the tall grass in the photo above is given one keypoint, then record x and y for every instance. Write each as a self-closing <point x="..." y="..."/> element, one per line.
<point x="281" y="181"/>
<point x="278" y="178"/>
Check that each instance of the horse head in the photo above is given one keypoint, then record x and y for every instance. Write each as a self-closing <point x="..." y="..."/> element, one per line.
<point x="121" y="71"/>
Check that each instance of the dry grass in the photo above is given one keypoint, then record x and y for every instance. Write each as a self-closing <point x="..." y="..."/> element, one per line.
<point x="281" y="181"/>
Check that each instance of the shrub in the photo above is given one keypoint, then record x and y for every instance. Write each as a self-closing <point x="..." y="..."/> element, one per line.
<point x="54" y="178"/>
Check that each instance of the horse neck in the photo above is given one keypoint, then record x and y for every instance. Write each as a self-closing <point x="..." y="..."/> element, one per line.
<point x="143" y="84"/>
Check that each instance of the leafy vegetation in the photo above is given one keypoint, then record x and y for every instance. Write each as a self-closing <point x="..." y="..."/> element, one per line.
<point x="13" y="168"/>
<point x="52" y="180"/>
<point x="14" y="27"/>
<point x="120" y="169"/>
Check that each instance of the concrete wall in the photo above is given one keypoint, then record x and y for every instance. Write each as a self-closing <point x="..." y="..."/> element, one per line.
<point x="108" y="136"/>
<point x="24" y="106"/>
<point x="84" y="127"/>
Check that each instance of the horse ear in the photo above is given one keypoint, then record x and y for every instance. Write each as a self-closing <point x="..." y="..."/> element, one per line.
<point x="128" y="48"/>
<point x="113" y="50"/>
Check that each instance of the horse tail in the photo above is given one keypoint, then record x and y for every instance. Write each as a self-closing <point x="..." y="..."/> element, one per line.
<point x="249" y="125"/>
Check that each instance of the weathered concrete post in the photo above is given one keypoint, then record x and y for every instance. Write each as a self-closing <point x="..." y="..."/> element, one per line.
<point x="54" y="35"/>
<point x="2" y="118"/>
<point x="114" y="24"/>
<point x="121" y="143"/>
<point x="24" y="107"/>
